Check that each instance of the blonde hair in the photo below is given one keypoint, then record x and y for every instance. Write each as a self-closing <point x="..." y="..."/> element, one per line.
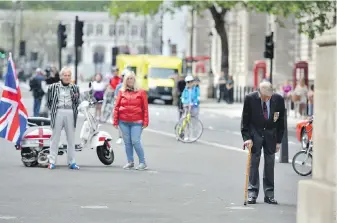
<point x="127" y="75"/>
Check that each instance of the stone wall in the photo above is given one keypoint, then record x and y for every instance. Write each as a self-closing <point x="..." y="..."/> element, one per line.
<point x="317" y="197"/>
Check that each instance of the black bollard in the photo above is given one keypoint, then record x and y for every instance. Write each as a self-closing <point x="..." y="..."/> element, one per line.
<point x="240" y="95"/>
<point x="284" y="152"/>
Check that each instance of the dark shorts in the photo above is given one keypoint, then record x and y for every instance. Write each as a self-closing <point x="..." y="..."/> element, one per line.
<point x="99" y="95"/>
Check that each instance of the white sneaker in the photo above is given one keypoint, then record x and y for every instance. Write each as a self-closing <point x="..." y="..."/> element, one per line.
<point x="129" y="166"/>
<point x="119" y="141"/>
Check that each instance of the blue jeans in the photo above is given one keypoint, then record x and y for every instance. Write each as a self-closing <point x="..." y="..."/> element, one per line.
<point x="37" y="106"/>
<point x="310" y="109"/>
<point x="131" y="133"/>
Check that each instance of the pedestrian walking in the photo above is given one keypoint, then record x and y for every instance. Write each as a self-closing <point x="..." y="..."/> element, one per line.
<point x="300" y="98"/>
<point x="222" y="88"/>
<point x="63" y="101"/>
<point x="230" y="90"/>
<point x="118" y="87"/>
<point x="37" y="90"/>
<point x="262" y="126"/>
<point x="311" y="101"/>
<point x="181" y="84"/>
<point x="131" y="116"/>
<point x="99" y="87"/>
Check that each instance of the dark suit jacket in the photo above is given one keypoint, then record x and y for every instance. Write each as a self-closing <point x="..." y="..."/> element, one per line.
<point x="52" y="101"/>
<point x="255" y="127"/>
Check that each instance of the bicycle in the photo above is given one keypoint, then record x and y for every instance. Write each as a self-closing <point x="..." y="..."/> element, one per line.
<point x="305" y="139"/>
<point x="305" y="162"/>
<point x="185" y="127"/>
<point x="108" y="105"/>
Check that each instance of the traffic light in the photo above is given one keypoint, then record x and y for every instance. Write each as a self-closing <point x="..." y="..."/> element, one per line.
<point x="33" y="56"/>
<point x="78" y="32"/>
<point x="22" y="48"/>
<point x="62" y="36"/>
<point x="114" y="55"/>
<point x="269" y="46"/>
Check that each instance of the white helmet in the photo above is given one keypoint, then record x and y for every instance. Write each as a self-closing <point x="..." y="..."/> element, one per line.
<point x="189" y="78"/>
<point x="124" y="72"/>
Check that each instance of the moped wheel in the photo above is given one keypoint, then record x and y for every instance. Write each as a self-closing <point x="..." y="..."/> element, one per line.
<point x="104" y="155"/>
<point x="302" y="163"/>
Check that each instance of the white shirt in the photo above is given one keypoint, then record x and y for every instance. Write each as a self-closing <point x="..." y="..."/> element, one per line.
<point x="98" y="86"/>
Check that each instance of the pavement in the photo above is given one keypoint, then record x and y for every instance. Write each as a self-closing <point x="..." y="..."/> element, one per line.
<point x="194" y="183"/>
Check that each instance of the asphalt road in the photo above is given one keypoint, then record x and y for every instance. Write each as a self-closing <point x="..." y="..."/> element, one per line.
<point x="200" y="182"/>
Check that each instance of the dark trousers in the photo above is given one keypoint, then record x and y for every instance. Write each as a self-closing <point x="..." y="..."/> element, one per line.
<point x="223" y="93"/>
<point x="180" y="108"/>
<point x="230" y="95"/>
<point x="37" y="106"/>
<point x="268" y="173"/>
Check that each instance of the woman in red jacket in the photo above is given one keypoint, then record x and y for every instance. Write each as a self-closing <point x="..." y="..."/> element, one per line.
<point x="132" y="116"/>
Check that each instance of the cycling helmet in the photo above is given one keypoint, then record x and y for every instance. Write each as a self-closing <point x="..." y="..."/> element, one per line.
<point x="124" y="72"/>
<point x="189" y="78"/>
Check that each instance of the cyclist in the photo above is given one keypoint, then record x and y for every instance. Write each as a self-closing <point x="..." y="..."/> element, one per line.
<point x="118" y="87"/>
<point x="190" y="97"/>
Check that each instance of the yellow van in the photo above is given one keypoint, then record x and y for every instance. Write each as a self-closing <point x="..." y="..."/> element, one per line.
<point x="160" y="71"/>
<point x="136" y="64"/>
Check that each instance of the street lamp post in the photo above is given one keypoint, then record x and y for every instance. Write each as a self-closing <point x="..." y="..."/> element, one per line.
<point x="210" y="88"/>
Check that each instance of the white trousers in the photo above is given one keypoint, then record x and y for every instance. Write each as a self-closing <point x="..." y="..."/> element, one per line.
<point x="64" y="120"/>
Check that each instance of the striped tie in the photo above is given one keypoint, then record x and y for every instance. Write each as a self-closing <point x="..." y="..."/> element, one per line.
<point x="265" y="111"/>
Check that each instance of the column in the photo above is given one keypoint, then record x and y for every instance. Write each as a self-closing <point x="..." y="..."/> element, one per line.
<point x="316" y="197"/>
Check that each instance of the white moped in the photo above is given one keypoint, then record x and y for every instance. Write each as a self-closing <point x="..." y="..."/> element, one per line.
<point x="91" y="137"/>
<point x="35" y="143"/>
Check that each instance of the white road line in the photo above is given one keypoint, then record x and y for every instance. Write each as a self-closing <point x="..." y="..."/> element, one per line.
<point x="277" y="157"/>
<point x="7" y="217"/>
<point x="200" y="141"/>
<point x="240" y="208"/>
<point x="94" y="207"/>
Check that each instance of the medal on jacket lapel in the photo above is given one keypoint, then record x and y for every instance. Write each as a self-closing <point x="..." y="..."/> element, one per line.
<point x="276" y="116"/>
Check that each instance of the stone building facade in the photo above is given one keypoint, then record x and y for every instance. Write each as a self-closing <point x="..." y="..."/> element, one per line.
<point x="246" y="35"/>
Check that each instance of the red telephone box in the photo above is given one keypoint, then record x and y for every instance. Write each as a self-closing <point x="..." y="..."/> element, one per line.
<point x="260" y="72"/>
<point x="300" y="71"/>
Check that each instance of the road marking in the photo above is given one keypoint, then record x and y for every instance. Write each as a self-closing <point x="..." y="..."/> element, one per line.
<point x="210" y="127"/>
<point x="7" y="217"/>
<point x="277" y="158"/>
<point x="239" y="208"/>
<point x="94" y="207"/>
<point x="200" y="141"/>
<point x="291" y="142"/>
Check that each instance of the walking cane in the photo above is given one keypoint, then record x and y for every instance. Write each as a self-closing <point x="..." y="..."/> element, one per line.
<point x="249" y="147"/>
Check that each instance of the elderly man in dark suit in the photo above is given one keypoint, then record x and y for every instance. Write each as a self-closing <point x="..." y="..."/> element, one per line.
<point x="262" y="126"/>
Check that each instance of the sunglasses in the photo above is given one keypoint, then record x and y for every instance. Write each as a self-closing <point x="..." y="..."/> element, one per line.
<point x="189" y="82"/>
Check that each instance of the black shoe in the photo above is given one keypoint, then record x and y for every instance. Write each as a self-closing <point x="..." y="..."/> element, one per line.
<point x="270" y="200"/>
<point x="251" y="200"/>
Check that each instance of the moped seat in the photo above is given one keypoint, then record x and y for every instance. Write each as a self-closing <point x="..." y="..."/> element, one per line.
<point x="39" y="121"/>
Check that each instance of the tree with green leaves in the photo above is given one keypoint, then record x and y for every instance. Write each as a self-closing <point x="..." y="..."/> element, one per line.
<point x="312" y="16"/>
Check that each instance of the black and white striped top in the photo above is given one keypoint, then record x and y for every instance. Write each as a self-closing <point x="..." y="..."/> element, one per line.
<point x="53" y="99"/>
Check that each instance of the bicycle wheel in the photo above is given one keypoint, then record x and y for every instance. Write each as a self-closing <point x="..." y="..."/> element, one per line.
<point x="191" y="132"/>
<point x="302" y="159"/>
<point x="107" y="112"/>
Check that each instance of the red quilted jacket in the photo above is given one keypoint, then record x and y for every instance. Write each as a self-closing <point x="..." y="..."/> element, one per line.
<point x="131" y="106"/>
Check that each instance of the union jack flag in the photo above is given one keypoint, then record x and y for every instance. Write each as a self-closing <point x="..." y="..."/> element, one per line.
<point x="13" y="114"/>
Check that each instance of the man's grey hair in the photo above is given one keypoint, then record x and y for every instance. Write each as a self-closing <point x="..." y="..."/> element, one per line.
<point x="65" y="69"/>
<point x="266" y="88"/>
